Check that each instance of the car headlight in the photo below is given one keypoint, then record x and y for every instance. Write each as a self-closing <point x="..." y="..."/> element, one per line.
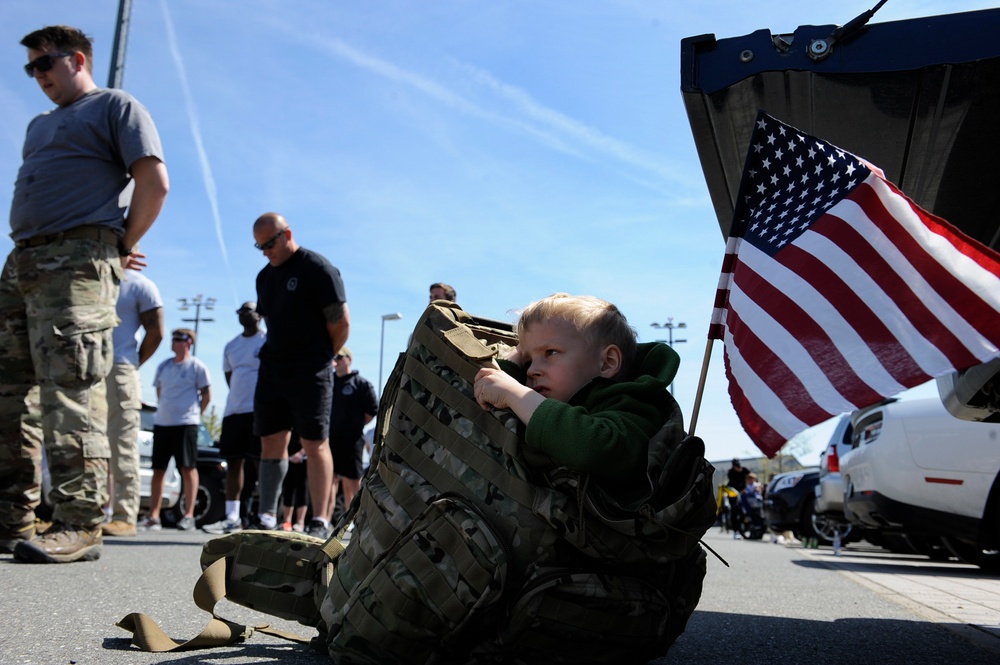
<point x="787" y="482"/>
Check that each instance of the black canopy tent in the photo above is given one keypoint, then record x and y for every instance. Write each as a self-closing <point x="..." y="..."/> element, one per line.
<point x="919" y="98"/>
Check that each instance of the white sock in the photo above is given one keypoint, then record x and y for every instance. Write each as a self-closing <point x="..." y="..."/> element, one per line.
<point x="232" y="510"/>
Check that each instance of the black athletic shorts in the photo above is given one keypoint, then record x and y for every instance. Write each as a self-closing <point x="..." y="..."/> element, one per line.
<point x="347" y="458"/>
<point x="177" y="441"/>
<point x="238" y="439"/>
<point x="285" y="399"/>
<point x="295" y="487"/>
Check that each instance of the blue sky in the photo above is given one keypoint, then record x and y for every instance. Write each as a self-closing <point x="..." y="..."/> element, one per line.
<point x="512" y="148"/>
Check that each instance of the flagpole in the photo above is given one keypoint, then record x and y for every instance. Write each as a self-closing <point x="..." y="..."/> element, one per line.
<point x="701" y="386"/>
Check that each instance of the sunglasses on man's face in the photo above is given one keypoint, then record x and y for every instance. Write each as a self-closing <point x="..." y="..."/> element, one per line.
<point x="263" y="246"/>
<point x="44" y="63"/>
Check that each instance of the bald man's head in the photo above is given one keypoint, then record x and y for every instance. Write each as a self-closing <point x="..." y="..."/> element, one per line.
<point x="273" y="236"/>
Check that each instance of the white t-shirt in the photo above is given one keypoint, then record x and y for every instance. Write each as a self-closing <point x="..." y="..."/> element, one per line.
<point x="178" y="385"/>
<point x="241" y="357"/>
<point x="138" y="294"/>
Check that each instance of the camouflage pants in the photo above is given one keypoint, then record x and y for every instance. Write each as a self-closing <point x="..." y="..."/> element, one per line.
<point x="57" y="311"/>
<point x="124" y="404"/>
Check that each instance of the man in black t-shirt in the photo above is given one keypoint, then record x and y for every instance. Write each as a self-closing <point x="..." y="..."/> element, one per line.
<point x="738" y="481"/>
<point x="301" y="297"/>
<point x="738" y="475"/>
<point x="354" y="406"/>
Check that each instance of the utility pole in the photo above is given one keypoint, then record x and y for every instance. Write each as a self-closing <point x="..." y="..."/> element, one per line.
<point x="670" y="325"/>
<point x="197" y="302"/>
<point x="117" y="71"/>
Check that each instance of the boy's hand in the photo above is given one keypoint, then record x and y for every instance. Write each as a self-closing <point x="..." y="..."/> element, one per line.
<point x="494" y="388"/>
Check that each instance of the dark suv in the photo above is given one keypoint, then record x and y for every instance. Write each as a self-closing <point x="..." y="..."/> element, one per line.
<point x="788" y="502"/>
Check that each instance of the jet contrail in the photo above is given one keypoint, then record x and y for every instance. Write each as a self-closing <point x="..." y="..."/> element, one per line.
<point x="206" y="168"/>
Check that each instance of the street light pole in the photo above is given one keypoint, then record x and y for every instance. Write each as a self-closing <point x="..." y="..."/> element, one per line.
<point x="197" y="302"/>
<point x="117" y="71"/>
<point x="395" y="316"/>
<point x="669" y="326"/>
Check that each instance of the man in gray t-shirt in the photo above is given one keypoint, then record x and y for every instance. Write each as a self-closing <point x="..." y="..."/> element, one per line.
<point x="139" y="307"/>
<point x="183" y="391"/>
<point x="58" y="291"/>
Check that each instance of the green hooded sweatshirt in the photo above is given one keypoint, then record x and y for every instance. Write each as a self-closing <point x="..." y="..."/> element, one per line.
<point x="605" y="428"/>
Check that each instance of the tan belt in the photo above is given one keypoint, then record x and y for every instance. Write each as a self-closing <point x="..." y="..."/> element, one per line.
<point x="87" y="232"/>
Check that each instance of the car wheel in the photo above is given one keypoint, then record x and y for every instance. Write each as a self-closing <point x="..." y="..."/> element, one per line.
<point x="986" y="558"/>
<point x="822" y="527"/>
<point x="210" y="503"/>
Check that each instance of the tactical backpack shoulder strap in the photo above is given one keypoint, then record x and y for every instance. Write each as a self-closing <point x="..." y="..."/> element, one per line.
<point x="211" y="587"/>
<point x="208" y="591"/>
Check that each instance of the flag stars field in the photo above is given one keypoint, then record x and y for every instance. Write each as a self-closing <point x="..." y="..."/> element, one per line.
<point x="842" y="295"/>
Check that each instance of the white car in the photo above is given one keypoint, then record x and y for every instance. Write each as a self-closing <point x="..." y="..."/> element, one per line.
<point x="915" y="469"/>
<point x="828" y="510"/>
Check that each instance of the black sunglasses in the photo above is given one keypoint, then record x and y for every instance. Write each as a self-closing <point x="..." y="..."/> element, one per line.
<point x="340" y="356"/>
<point x="44" y="63"/>
<point x="270" y="243"/>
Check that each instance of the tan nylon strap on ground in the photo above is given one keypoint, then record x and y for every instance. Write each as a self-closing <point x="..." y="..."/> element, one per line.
<point x="208" y="591"/>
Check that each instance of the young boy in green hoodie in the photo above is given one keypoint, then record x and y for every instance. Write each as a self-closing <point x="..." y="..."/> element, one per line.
<point x="590" y="396"/>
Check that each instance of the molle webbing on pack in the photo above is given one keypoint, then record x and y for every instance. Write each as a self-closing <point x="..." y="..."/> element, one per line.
<point x="468" y="546"/>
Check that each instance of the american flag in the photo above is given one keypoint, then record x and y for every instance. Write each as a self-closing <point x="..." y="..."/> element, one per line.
<point x="838" y="291"/>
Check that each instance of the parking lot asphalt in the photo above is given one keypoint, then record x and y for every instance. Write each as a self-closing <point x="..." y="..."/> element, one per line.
<point x="772" y="604"/>
<point x="778" y="603"/>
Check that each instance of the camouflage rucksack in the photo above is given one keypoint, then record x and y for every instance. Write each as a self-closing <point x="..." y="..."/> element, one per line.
<point x="469" y="546"/>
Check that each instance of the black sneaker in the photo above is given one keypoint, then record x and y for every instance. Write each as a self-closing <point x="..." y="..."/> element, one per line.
<point x="318" y="529"/>
<point x="63" y="543"/>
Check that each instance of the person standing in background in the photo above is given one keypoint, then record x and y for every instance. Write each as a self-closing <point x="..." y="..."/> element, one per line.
<point x="354" y="406"/>
<point x="441" y="291"/>
<point x="241" y="364"/>
<point x="183" y="392"/>
<point x="301" y="297"/>
<point x="139" y="306"/>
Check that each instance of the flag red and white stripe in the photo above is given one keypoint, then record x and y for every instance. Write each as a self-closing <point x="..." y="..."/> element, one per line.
<point x="837" y="290"/>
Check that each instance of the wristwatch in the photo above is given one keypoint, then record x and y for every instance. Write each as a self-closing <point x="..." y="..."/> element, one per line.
<point x="123" y="250"/>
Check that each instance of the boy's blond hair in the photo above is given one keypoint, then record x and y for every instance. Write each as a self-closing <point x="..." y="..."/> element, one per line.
<point x="599" y="322"/>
